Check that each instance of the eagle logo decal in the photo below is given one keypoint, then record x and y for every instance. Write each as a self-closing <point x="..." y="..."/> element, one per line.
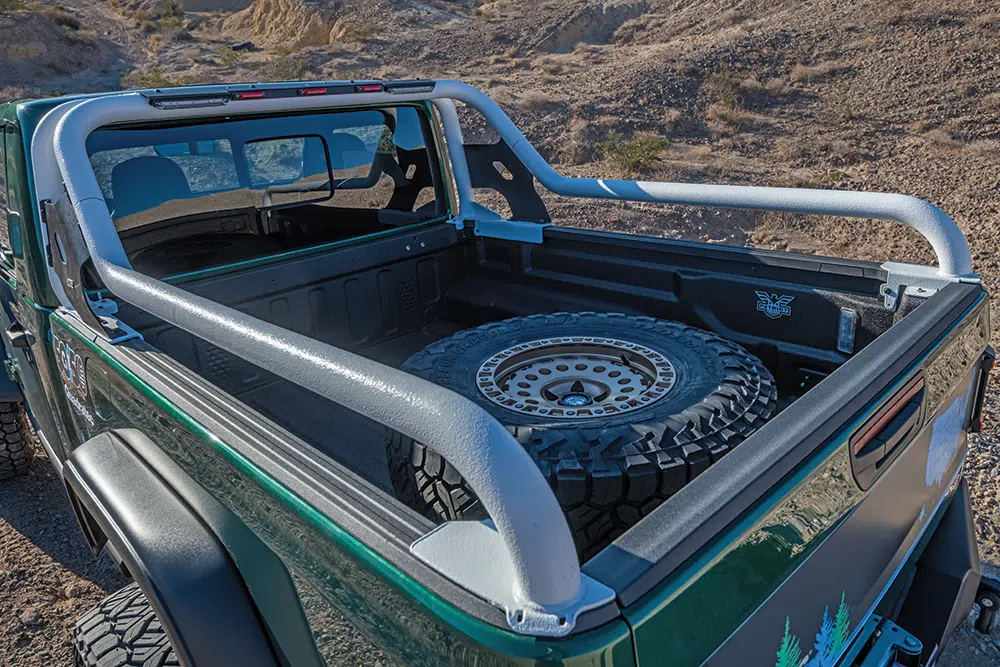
<point x="772" y="305"/>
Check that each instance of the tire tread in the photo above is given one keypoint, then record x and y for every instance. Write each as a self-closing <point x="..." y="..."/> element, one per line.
<point x="605" y="476"/>
<point x="122" y="631"/>
<point x="16" y="445"/>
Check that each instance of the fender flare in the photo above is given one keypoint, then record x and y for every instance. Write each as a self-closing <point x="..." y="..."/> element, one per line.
<point x="185" y="572"/>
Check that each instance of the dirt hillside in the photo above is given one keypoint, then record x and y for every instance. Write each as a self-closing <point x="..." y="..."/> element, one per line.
<point x="875" y="95"/>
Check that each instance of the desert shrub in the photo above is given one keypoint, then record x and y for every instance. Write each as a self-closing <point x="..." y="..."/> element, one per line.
<point x="986" y="149"/>
<point x="536" y="100"/>
<point x="83" y="37"/>
<point x="228" y="57"/>
<point x="721" y="85"/>
<point x="941" y="138"/>
<point x="672" y="118"/>
<point x="155" y="44"/>
<point x="814" y="179"/>
<point x="988" y="21"/>
<point x="722" y="119"/>
<point x="898" y="10"/>
<point x="359" y="31"/>
<point x="731" y="17"/>
<point x="578" y="145"/>
<point x="815" y="72"/>
<point x="751" y="84"/>
<point x="283" y="50"/>
<point x="838" y="106"/>
<point x="61" y="17"/>
<point x="151" y="78"/>
<point x="789" y="150"/>
<point x="177" y="34"/>
<point x="778" y="86"/>
<point x="173" y="8"/>
<point x="12" y="5"/>
<point x="174" y="30"/>
<point x="287" y="68"/>
<point x="636" y="153"/>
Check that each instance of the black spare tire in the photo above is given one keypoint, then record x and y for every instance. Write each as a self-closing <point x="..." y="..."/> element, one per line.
<point x="619" y="412"/>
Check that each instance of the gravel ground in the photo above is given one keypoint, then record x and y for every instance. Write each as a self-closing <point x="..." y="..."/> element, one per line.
<point x="874" y="95"/>
<point x="48" y="576"/>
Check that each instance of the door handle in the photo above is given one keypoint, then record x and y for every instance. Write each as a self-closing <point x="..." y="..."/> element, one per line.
<point x="18" y="336"/>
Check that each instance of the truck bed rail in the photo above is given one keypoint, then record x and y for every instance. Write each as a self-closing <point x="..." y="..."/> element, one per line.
<point x="545" y="589"/>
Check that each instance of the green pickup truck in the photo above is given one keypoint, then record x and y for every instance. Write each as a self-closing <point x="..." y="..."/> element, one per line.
<point x="326" y="408"/>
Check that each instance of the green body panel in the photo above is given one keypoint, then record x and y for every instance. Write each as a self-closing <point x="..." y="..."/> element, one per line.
<point x="30" y="296"/>
<point x="31" y="267"/>
<point x="691" y="613"/>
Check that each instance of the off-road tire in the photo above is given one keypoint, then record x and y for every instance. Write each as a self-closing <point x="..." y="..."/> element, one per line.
<point x="122" y="631"/>
<point x="16" y="445"/>
<point x="607" y="472"/>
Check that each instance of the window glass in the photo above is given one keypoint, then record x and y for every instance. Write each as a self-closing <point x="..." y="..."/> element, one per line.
<point x="276" y="160"/>
<point x="373" y="153"/>
<point x="212" y="193"/>
<point x="210" y="167"/>
<point x="372" y="159"/>
<point x="289" y="170"/>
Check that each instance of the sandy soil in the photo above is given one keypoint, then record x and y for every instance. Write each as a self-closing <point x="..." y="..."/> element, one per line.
<point x="48" y="576"/>
<point x="891" y="95"/>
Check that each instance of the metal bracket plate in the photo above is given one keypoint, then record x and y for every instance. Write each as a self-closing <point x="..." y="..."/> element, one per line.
<point x="472" y="554"/>
<point x="113" y="329"/>
<point x="915" y="280"/>
<point x="511" y="230"/>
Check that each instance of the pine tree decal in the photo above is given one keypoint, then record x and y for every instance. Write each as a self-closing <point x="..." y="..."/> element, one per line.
<point x="825" y="654"/>
<point x="789" y="654"/>
<point x="841" y="626"/>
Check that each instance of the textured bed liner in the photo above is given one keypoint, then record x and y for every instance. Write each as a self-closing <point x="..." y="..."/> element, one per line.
<point x="351" y="439"/>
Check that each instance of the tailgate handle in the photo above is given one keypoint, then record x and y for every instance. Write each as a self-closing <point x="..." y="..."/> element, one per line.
<point x="879" y="439"/>
<point x="878" y="448"/>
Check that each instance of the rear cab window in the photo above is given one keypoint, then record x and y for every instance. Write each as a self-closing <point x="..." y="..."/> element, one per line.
<point x="192" y="196"/>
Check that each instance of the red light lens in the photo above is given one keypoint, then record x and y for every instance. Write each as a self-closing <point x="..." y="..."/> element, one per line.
<point x="249" y="95"/>
<point x="312" y="91"/>
<point x="369" y="88"/>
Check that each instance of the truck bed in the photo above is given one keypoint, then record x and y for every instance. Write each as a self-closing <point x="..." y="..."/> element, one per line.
<point x="386" y="300"/>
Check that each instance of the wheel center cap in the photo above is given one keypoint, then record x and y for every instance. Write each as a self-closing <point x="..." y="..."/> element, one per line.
<point x="573" y="377"/>
<point x="575" y="400"/>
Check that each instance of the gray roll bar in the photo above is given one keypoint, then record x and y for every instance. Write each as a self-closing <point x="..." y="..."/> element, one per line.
<point x="543" y="589"/>
<point x="954" y="258"/>
<point x="542" y="557"/>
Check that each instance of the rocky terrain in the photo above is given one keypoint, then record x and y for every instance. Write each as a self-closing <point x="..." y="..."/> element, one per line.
<point x="893" y="95"/>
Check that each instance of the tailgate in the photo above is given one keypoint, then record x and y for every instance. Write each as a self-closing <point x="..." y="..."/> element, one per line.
<point x="797" y="578"/>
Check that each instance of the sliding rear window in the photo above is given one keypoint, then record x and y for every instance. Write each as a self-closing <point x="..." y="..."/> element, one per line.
<point x="197" y="195"/>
